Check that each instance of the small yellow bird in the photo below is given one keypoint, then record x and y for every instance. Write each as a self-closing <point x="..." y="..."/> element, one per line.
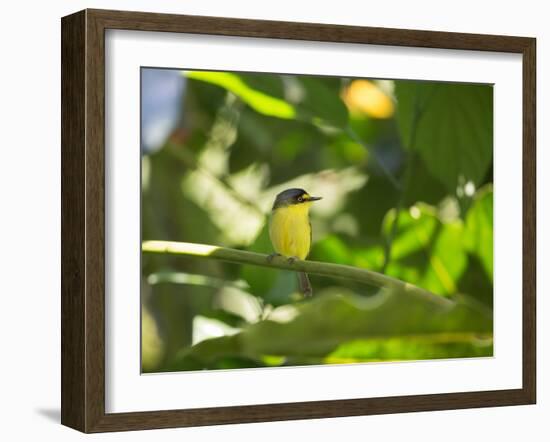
<point x="290" y="229"/>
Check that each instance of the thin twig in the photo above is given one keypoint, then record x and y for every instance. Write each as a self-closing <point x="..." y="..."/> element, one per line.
<point x="351" y="133"/>
<point x="398" y="207"/>
<point x="417" y="113"/>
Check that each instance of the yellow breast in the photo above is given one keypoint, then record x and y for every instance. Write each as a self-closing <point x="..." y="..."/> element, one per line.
<point x="290" y="231"/>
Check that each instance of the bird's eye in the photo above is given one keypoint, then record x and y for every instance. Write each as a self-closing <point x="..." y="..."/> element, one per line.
<point x="300" y="199"/>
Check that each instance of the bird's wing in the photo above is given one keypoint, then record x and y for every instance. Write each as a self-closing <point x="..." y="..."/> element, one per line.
<point x="310" y="236"/>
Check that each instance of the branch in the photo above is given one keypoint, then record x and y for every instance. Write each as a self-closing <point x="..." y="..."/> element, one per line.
<point x="398" y="207"/>
<point x="313" y="267"/>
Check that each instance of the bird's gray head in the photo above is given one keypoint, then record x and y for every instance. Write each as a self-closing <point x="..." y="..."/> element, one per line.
<point x="293" y="196"/>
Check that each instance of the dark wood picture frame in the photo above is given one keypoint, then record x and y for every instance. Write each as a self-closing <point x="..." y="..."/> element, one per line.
<point x="83" y="220"/>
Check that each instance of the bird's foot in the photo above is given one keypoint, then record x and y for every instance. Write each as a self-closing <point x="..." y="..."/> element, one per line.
<point x="273" y="256"/>
<point x="292" y="259"/>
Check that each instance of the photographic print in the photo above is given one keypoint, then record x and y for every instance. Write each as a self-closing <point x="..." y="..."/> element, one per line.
<point x="294" y="220"/>
<point x="249" y="202"/>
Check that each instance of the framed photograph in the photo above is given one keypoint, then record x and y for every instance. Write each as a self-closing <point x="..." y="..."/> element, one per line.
<point x="267" y="221"/>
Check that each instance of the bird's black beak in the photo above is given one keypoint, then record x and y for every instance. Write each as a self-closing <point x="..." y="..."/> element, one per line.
<point x="315" y="198"/>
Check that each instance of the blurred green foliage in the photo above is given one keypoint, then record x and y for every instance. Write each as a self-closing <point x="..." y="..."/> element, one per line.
<point x="405" y="169"/>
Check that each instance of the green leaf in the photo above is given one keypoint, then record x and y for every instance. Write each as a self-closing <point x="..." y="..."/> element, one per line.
<point x="451" y="126"/>
<point x="415" y="229"/>
<point x="267" y="83"/>
<point x="427" y="251"/>
<point x="290" y="145"/>
<point x="423" y="186"/>
<point x="322" y="104"/>
<point x="332" y="249"/>
<point x="276" y="141"/>
<point x="478" y="235"/>
<point x="375" y="199"/>
<point x="151" y="342"/>
<point x="447" y="260"/>
<point x="259" y="101"/>
<point x="334" y="318"/>
<point x="431" y="346"/>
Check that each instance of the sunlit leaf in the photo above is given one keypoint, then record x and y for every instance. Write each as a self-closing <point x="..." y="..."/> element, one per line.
<point x="415" y="230"/>
<point x="259" y="101"/>
<point x="229" y="200"/>
<point x="238" y="302"/>
<point x="208" y="328"/>
<point x="430" y="346"/>
<point x="478" y="235"/>
<point x="425" y="250"/>
<point x="332" y="319"/>
<point x="238" y="221"/>
<point x="447" y="260"/>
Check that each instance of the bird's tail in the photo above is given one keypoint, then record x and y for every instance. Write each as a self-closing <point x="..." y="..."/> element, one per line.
<point x="304" y="284"/>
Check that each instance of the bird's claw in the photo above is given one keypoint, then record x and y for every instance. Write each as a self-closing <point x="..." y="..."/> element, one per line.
<point x="290" y="260"/>
<point x="272" y="256"/>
